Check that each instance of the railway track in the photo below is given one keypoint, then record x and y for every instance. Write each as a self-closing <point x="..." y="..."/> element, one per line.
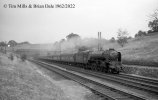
<point x="147" y="87"/>
<point x="141" y="79"/>
<point x="142" y="84"/>
<point x="136" y="82"/>
<point x="99" y="87"/>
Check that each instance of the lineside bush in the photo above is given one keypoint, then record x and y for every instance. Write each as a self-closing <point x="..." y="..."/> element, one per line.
<point x="23" y="57"/>
<point x="11" y="57"/>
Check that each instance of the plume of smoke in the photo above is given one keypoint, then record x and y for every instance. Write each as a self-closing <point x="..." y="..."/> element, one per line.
<point x="68" y="46"/>
<point x="73" y="45"/>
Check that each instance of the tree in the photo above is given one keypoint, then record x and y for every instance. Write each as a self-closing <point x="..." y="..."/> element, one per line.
<point x="129" y="37"/>
<point x="12" y="43"/>
<point x="82" y="48"/>
<point x="3" y="44"/>
<point x="25" y="42"/>
<point x="122" y="37"/>
<point x="140" y="33"/>
<point x="153" y="23"/>
<point x="62" y="40"/>
<point x="72" y="36"/>
<point x="112" y="39"/>
<point x="149" y="31"/>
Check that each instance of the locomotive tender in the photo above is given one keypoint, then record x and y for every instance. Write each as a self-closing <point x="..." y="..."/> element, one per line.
<point x="105" y="61"/>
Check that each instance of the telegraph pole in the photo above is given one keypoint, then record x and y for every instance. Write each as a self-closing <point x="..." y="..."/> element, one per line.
<point x="98" y="41"/>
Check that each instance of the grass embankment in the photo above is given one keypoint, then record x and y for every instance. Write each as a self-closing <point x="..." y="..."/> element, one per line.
<point x="140" y="56"/>
<point x="141" y="51"/>
<point x="18" y="81"/>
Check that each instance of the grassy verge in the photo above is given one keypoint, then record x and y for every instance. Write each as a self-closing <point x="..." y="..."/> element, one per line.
<point x="19" y="81"/>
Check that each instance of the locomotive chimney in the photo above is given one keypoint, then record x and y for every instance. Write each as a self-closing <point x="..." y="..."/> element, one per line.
<point x="99" y="41"/>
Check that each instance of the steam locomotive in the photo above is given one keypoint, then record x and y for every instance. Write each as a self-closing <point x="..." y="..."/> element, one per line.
<point x="105" y="61"/>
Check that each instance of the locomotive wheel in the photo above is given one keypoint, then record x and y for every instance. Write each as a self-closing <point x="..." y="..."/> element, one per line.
<point x="110" y="70"/>
<point x="103" y="69"/>
<point x="94" y="67"/>
<point x="86" y="66"/>
<point x="98" y="68"/>
<point x="115" y="71"/>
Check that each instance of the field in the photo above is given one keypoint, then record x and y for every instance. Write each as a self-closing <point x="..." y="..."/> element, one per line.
<point x="141" y="51"/>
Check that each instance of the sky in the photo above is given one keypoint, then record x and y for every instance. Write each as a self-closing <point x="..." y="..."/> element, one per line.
<point x="47" y="25"/>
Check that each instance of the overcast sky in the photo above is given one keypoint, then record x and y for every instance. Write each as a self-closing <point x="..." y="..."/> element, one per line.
<point x="47" y="25"/>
